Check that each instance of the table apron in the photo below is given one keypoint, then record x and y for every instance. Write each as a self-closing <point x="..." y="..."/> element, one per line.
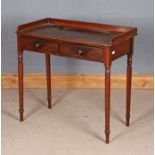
<point x="73" y="50"/>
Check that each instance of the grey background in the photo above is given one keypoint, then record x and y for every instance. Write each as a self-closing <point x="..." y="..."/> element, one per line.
<point x="137" y="13"/>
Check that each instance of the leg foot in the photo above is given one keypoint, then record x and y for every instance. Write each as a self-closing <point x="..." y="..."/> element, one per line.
<point x="49" y="102"/>
<point x="127" y="119"/>
<point x="107" y="133"/>
<point x="21" y="111"/>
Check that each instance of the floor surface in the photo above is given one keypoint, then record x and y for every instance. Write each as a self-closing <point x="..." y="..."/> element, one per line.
<point x="75" y="124"/>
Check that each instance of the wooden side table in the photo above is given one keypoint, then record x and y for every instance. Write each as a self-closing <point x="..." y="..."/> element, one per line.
<point x="82" y="40"/>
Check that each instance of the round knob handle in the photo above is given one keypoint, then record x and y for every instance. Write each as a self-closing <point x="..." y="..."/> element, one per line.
<point x="80" y="51"/>
<point x="37" y="45"/>
<point x="113" y="52"/>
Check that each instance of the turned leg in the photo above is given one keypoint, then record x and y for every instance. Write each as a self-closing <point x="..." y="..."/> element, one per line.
<point x="129" y="81"/>
<point x="20" y="82"/>
<point x="20" y="76"/>
<point x="107" y="92"/>
<point x="48" y="77"/>
<point x="128" y="89"/>
<point x="107" y="104"/>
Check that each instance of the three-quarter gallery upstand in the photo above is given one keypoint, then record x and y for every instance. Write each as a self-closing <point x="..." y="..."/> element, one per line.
<point x="82" y="40"/>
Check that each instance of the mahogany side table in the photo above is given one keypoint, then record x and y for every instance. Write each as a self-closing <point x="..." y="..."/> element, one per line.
<point x="82" y="40"/>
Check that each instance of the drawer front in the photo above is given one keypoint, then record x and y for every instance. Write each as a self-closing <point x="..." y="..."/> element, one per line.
<point x="81" y="52"/>
<point x="39" y="45"/>
<point x="120" y="49"/>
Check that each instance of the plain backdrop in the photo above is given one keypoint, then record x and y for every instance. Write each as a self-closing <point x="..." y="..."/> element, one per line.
<point x="138" y="13"/>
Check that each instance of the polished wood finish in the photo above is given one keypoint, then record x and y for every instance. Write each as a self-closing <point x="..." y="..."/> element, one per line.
<point x="129" y="80"/>
<point x="82" y="52"/>
<point x="120" y="34"/>
<point x="107" y="63"/>
<point x="48" y="76"/>
<point x="83" y="40"/>
<point x="68" y="34"/>
<point x="20" y="76"/>
<point x="39" y="45"/>
<point x="120" y="49"/>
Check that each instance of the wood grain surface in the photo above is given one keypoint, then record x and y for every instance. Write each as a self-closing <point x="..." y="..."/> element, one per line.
<point x="141" y="81"/>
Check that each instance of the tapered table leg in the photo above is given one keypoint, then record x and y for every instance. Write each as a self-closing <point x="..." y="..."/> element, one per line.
<point x="107" y="92"/>
<point x="20" y="82"/>
<point x="48" y="77"/>
<point x="128" y="89"/>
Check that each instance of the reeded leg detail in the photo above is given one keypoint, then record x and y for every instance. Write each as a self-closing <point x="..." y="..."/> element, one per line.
<point x="20" y="82"/>
<point x="128" y="90"/>
<point x="107" y="104"/>
<point x="48" y="77"/>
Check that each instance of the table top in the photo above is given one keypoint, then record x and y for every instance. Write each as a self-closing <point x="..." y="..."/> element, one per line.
<point x="77" y="32"/>
<point x="74" y="34"/>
